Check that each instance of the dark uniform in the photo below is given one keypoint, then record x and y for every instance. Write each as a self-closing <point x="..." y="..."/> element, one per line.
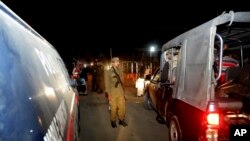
<point x="114" y="88"/>
<point x="94" y="77"/>
<point x="100" y="78"/>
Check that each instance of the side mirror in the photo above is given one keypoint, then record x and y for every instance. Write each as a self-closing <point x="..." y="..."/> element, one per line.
<point x="148" y="77"/>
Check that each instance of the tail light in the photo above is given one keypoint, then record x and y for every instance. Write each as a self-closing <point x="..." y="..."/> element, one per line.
<point x="213" y="117"/>
<point x="211" y="122"/>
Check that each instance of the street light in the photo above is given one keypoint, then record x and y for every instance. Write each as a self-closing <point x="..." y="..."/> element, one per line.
<point x="151" y="50"/>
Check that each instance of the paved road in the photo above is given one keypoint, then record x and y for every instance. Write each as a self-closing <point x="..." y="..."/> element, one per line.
<point x="142" y="125"/>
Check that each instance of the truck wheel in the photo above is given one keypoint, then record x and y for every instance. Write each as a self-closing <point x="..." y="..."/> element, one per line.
<point x="147" y="102"/>
<point x="174" y="129"/>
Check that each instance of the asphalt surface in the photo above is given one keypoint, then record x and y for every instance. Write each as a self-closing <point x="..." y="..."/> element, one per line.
<point x="142" y="124"/>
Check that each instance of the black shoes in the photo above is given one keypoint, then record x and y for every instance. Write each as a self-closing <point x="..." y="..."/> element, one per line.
<point x="123" y="123"/>
<point x="113" y="124"/>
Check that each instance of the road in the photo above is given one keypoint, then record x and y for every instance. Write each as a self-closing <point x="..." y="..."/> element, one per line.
<point x="142" y="125"/>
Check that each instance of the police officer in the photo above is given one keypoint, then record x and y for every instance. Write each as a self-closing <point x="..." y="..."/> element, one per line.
<point x="94" y="76"/>
<point x="115" y="91"/>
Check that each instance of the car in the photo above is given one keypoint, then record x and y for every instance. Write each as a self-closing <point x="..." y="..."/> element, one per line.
<point x="37" y="101"/>
<point x="186" y="91"/>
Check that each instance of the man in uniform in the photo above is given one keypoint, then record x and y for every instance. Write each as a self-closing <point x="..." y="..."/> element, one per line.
<point x="115" y="91"/>
<point x="94" y="76"/>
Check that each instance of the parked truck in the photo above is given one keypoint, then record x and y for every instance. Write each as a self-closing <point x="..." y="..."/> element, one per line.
<point x="186" y="91"/>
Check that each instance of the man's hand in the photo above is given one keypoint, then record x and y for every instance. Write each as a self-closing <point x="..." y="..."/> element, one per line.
<point x="108" y="96"/>
<point x="125" y="98"/>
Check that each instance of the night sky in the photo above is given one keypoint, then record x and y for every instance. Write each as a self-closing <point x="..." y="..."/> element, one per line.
<point x="89" y="29"/>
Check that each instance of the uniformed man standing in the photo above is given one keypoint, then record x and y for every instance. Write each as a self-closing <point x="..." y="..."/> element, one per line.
<point x="115" y="91"/>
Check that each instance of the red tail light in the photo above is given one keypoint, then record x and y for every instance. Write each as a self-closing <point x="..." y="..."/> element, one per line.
<point x="211" y="123"/>
<point x="213" y="118"/>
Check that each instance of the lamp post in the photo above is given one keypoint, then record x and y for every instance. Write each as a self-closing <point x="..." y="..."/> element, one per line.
<point x="151" y="51"/>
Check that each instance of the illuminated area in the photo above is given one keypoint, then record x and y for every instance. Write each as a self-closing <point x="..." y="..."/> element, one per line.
<point x="85" y="65"/>
<point x="212" y="134"/>
<point x="213" y="118"/>
<point x="140" y="86"/>
<point x="49" y="92"/>
<point x="152" y="49"/>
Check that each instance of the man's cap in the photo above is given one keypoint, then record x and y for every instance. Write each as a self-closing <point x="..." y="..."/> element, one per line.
<point x="114" y="59"/>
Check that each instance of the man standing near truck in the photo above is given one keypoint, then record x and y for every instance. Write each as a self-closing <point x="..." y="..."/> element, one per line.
<point x="114" y="89"/>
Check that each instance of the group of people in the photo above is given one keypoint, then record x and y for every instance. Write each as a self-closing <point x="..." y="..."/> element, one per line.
<point x="113" y="83"/>
<point x="114" y="88"/>
<point x="79" y="75"/>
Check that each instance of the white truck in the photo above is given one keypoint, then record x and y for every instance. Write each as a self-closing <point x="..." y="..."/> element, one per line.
<point x="186" y="92"/>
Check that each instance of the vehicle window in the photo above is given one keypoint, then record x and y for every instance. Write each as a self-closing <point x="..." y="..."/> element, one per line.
<point x="175" y="59"/>
<point x="171" y="60"/>
<point x="156" y="76"/>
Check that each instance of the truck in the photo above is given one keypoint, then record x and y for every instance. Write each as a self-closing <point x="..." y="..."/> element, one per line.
<point x="186" y="92"/>
<point x="37" y="100"/>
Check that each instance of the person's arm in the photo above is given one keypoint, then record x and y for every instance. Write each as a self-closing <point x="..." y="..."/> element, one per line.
<point x="107" y="81"/>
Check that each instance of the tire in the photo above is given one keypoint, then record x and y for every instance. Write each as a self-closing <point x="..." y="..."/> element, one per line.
<point x="175" y="133"/>
<point x="147" y="102"/>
